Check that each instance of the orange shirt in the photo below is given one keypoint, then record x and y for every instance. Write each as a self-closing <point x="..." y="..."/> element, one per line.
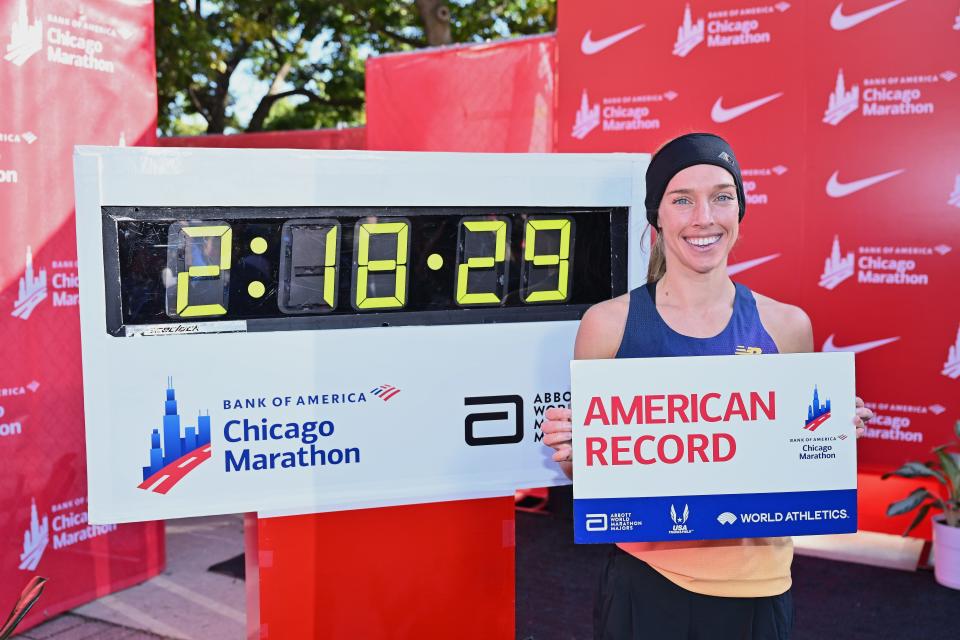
<point x="736" y="568"/>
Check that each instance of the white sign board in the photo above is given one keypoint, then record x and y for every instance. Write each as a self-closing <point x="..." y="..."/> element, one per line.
<point x="293" y="331"/>
<point x="713" y="447"/>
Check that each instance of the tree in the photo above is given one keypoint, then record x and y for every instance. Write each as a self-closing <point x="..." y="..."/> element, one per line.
<point x="310" y="53"/>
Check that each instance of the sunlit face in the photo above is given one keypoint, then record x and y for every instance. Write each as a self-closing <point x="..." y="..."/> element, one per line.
<point x="699" y="218"/>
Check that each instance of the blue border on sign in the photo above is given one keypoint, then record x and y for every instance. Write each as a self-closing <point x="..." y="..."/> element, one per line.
<point x="741" y="515"/>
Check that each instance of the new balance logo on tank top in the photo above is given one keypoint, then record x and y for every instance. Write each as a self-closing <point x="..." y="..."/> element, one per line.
<point x="753" y="567"/>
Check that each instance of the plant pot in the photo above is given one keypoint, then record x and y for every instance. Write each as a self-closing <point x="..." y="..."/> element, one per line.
<point x="946" y="554"/>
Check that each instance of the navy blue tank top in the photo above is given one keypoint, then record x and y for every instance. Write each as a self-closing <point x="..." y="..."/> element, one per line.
<point x="646" y="335"/>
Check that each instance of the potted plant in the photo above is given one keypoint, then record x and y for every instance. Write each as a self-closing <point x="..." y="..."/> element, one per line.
<point x="946" y="525"/>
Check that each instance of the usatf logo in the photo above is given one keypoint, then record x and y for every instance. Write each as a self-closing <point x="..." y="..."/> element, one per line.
<point x="727" y="518"/>
<point x="596" y="522"/>
<point x="817" y="413"/>
<point x="32" y="289"/>
<point x="25" y="39"/>
<point x="385" y="391"/>
<point x="951" y="368"/>
<point x="837" y="267"/>
<point x="680" y="521"/>
<point x="35" y="539"/>
<point x="587" y="118"/>
<point x="180" y="454"/>
<point x="747" y="351"/>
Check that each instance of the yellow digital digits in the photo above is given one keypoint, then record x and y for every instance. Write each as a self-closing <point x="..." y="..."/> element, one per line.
<point x="184" y="278"/>
<point x="330" y="267"/>
<point x="561" y="259"/>
<point x="498" y="227"/>
<point x="365" y="265"/>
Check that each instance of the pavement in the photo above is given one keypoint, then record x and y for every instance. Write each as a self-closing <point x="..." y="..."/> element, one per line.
<point x="185" y="602"/>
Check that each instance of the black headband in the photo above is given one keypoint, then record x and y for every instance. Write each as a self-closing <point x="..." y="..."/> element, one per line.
<point x="683" y="152"/>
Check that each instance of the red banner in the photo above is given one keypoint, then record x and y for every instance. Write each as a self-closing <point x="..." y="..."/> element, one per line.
<point x="70" y="74"/>
<point x="844" y="118"/>
<point x="494" y="97"/>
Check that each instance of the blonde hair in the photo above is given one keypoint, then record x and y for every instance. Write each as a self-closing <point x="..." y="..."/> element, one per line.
<point x="658" y="259"/>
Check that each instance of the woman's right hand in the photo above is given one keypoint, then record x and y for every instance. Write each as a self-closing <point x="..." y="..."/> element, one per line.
<point x="558" y="433"/>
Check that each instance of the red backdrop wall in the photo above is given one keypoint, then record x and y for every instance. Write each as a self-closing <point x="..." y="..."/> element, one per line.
<point x="852" y="190"/>
<point x="70" y="73"/>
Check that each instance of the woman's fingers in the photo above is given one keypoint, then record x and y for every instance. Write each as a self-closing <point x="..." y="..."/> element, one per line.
<point x="563" y="454"/>
<point x="559" y="413"/>
<point x="557" y="438"/>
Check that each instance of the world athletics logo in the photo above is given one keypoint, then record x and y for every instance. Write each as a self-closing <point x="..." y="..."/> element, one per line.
<point x="180" y="454"/>
<point x="817" y="413"/>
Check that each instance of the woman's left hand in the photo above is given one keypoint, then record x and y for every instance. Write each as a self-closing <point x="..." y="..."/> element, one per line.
<point x="864" y="415"/>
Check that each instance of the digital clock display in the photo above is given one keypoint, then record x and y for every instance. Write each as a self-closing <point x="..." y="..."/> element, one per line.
<point x="315" y="267"/>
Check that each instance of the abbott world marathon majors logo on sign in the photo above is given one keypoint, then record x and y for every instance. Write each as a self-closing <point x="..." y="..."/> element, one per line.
<point x="68" y="523"/>
<point x="620" y="113"/>
<point x="884" y="96"/>
<point x="880" y="265"/>
<point x="493" y="420"/>
<point x="733" y="27"/>
<point x="33" y="289"/>
<point x="77" y="42"/>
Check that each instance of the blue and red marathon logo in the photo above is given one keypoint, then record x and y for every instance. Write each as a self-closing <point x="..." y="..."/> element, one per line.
<point x="180" y="454"/>
<point x="817" y="413"/>
<point x="385" y="391"/>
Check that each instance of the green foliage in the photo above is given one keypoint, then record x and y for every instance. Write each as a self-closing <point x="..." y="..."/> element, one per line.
<point x="311" y="53"/>
<point x="946" y="470"/>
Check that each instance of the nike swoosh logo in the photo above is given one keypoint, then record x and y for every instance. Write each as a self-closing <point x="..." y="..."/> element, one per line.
<point x="837" y="189"/>
<point x="828" y="346"/>
<point x="733" y="269"/>
<point x="840" y="22"/>
<point x="589" y="46"/>
<point x="721" y="114"/>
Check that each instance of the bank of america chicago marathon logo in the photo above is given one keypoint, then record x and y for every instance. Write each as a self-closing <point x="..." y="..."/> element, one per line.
<point x="618" y="113"/>
<point x="724" y="28"/>
<point x="179" y="454"/>
<point x="32" y="286"/>
<point x="879" y="265"/>
<point x="954" y="199"/>
<point x="883" y="96"/>
<point x="951" y="368"/>
<point x="385" y="391"/>
<point x="68" y="522"/>
<point x="73" y="42"/>
<point x="817" y="412"/>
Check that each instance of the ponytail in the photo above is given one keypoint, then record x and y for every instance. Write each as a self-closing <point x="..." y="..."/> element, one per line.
<point x="658" y="259"/>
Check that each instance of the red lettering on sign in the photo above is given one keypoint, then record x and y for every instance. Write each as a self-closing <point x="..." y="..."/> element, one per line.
<point x="677" y="405"/>
<point x="769" y="408"/>
<point x="595" y="449"/>
<point x="636" y="449"/>
<point x="678" y="445"/>
<point x="621" y="446"/>
<point x="697" y="443"/>
<point x="703" y="407"/>
<point x="650" y="408"/>
<point x="731" y="447"/>
<point x="735" y="408"/>
<point x="596" y="412"/>
<point x="634" y="415"/>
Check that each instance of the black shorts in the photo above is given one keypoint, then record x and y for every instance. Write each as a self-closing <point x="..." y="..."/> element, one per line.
<point x="634" y="602"/>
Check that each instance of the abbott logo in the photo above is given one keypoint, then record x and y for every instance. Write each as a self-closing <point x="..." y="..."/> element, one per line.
<point x="587" y="118"/>
<point x="837" y="267"/>
<point x="25" y="38"/>
<point x="726" y="518"/>
<point x="689" y="34"/>
<point x="596" y="522"/>
<point x="510" y="432"/>
<point x="841" y="102"/>
<point x="35" y="539"/>
<point x="32" y="290"/>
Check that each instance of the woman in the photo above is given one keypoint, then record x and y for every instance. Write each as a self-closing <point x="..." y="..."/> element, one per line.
<point x="711" y="589"/>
